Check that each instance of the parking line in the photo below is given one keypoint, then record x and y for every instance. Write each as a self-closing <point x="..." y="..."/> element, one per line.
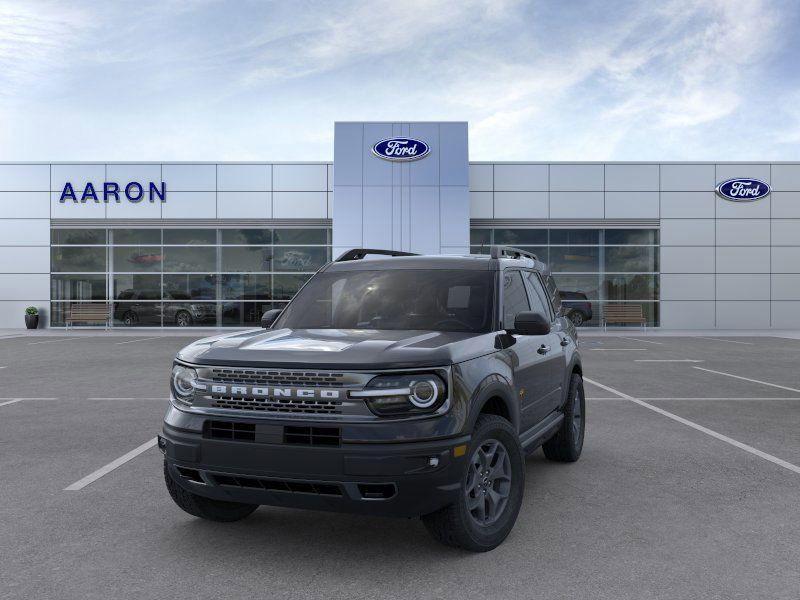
<point x="617" y="349"/>
<point x="141" y="340"/>
<point x="11" y="402"/>
<point x="680" y="360"/>
<point x="699" y="337"/>
<point x="723" y="438"/>
<point x="65" y="339"/>
<point x="638" y="340"/>
<point x="92" y="477"/>
<point x="163" y="398"/>
<point x="775" y="385"/>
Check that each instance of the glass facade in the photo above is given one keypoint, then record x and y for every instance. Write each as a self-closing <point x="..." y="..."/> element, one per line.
<point x="592" y="267"/>
<point x="183" y="277"/>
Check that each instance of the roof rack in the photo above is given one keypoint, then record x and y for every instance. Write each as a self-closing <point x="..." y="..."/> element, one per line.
<point x="360" y="253"/>
<point x="509" y="252"/>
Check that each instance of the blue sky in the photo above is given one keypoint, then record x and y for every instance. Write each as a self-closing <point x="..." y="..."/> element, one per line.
<point x="559" y="80"/>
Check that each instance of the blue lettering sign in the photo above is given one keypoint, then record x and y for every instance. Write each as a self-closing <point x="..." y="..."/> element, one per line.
<point x="401" y="149"/>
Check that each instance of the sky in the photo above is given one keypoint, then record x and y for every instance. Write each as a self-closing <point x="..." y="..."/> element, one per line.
<point x="260" y="81"/>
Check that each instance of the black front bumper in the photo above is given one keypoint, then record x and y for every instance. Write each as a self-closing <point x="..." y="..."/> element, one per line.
<point x="404" y="479"/>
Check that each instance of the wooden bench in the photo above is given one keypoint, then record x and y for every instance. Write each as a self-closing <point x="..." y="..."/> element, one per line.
<point x="87" y="312"/>
<point x="623" y="314"/>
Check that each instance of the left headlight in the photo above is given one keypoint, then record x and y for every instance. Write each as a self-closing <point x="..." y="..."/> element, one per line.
<point x="182" y="383"/>
<point x="397" y="395"/>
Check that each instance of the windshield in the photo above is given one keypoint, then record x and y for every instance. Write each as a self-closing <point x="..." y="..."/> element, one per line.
<point x="434" y="300"/>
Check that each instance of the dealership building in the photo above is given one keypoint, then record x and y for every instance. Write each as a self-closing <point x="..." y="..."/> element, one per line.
<point x="217" y="244"/>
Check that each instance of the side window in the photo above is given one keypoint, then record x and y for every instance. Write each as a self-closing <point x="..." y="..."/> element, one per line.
<point x="539" y="301"/>
<point x="515" y="298"/>
<point x="552" y="289"/>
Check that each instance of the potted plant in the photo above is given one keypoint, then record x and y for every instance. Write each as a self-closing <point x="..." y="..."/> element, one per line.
<point x="31" y="317"/>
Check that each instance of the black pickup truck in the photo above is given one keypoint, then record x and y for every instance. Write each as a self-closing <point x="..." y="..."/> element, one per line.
<point x="402" y="385"/>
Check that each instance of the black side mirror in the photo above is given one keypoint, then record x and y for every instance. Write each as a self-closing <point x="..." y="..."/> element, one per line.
<point x="269" y="317"/>
<point x="531" y="323"/>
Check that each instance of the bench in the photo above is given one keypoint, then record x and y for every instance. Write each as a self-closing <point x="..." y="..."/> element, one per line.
<point x="623" y="314"/>
<point x="87" y="312"/>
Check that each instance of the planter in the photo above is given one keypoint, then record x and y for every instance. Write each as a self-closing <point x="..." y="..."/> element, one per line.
<point x="31" y="321"/>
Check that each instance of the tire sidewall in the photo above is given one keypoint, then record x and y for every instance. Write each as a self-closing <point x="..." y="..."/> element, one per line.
<point x="576" y="387"/>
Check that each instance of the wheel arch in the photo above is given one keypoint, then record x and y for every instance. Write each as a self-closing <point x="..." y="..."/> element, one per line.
<point x="495" y="396"/>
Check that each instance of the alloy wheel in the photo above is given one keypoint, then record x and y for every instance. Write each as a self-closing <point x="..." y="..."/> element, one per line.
<point x="488" y="482"/>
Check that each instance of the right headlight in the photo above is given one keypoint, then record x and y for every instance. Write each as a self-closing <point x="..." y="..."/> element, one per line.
<point x="397" y="395"/>
<point x="182" y="383"/>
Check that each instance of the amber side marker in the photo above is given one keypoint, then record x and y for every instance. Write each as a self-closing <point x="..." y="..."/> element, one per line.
<point x="460" y="450"/>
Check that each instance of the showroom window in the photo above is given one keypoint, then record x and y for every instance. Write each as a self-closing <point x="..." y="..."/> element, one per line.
<point x="592" y="267"/>
<point x="181" y="277"/>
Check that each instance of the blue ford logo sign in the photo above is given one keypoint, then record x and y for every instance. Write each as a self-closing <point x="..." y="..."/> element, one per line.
<point x="401" y="149"/>
<point x="743" y="190"/>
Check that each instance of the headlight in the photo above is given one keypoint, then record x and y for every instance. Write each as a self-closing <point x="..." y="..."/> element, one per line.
<point x="182" y="383"/>
<point x="395" y="395"/>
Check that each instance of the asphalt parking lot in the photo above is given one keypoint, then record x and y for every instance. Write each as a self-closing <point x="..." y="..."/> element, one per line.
<point x="688" y="487"/>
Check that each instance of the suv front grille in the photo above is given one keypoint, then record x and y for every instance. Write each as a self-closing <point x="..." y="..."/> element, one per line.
<point x="227" y="430"/>
<point x="283" y="405"/>
<point x="268" y="377"/>
<point x="312" y="436"/>
<point x="280" y="485"/>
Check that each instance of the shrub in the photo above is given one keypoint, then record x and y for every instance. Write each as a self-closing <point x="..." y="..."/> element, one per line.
<point x="31" y="310"/>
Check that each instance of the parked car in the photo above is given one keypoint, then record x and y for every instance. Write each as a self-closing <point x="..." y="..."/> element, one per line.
<point x="141" y="307"/>
<point x="406" y="386"/>
<point x="576" y="307"/>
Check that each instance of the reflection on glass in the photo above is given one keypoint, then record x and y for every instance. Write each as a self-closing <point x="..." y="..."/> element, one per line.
<point x="298" y="258"/>
<point x="246" y="287"/>
<point x="247" y="237"/>
<point x="194" y="287"/>
<point x="520" y="237"/>
<point x="650" y="311"/>
<point x="247" y="259"/>
<point x="480" y="236"/>
<point x="246" y="314"/>
<point x="630" y="287"/>
<point x="574" y="237"/>
<point x="284" y="287"/>
<point x="82" y="237"/>
<point x="190" y="260"/>
<point x="78" y="287"/>
<point x="77" y="259"/>
<point x="575" y="259"/>
<point x="190" y="236"/>
<point x="147" y="237"/>
<point x="137" y="258"/>
<point x="584" y="284"/>
<point x="300" y="236"/>
<point x="127" y="286"/>
<point x="190" y="314"/>
<point x="479" y="249"/>
<point x="621" y="237"/>
<point x="632" y="259"/>
<point x="137" y="313"/>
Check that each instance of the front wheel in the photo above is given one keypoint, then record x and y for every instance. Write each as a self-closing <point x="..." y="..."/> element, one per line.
<point x="566" y="445"/>
<point x="183" y="319"/>
<point x="206" y="508"/>
<point x="491" y="490"/>
<point x="576" y="317"/>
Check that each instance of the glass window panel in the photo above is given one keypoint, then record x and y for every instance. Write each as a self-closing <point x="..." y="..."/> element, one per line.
<point x="78" y="287"/>
<point x="190" y="236"/>
<point x="515" y="298"/>
<point x="190" y="287"/>
<point x="300" y="236"/>
<point x="480" y="236"/>
<point x="137" y="259"/>
<point x="520" y="237"/>
<point x="584" y="285"/>
<point x="621" y="237"/>
<point x="246" y="259"/>
<point x="641" y="259"/>
<point x="58" y="311"/>
<point x="246" y="314"/>
<point x="188" y="259"/>
<point x="246" y="287"/>
<point x="78" y="259"/>
<point x="82" y="237"/>
<point x="138" y="314"/>
<point x="247" y="237"/>
<point x="583" y="314"/>
<point x="300" y="258"/>
<point x="576" y="259"/>
<point x="630" y="287"/>
<point x="190" y="314"/>
<point x="150" y="237"/>
<point x="536" y="295"/>
<point x="650" y="310"/>
<point x="479" y="249"/>
<point x="573" y="237"/>
<point x="137" y="287"/>
<point x="284" y="287"/>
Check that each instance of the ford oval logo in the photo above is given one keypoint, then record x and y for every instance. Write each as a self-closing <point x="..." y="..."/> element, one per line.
<point x="743" y="190"/>
<point x="401" y="148"/>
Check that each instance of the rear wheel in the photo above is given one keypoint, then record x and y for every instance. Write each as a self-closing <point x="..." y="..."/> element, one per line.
<point x="491" y="490"/>
<point x="129" y="319"/>
<point x="206" y="508"/>
<point x="566" y="445"/>
<point x="183" y="319"/>
<point x="576" y="317"/>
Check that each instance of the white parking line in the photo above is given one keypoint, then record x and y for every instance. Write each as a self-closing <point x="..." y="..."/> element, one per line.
<point x="639" y="340"/>
<point x="163" y="398"/>
<point x="11" y="402"/>
<point x="141" y="340"/>
<point x="4" y="367"/>
<point x="64" y="339"/>
<point x="722" y="340"/>
<point x="680" y="360"/>
<point x="92" y="477"/>
<point x="696" y="398"/>
<point x="775" y="385"/>
<point x="617" y="349"/>
<point x="723" y="438"/>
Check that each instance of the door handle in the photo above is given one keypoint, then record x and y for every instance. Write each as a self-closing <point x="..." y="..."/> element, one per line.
<point x="564" y="341"/>
<point x="543" y="349"/>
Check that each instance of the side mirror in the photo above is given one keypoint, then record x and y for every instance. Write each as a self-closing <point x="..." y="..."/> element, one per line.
<point x="269" y="317"/>
<point x="531" y="323"/>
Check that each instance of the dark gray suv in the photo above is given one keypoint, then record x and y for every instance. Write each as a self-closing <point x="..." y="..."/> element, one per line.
<point x="409" y="386"/>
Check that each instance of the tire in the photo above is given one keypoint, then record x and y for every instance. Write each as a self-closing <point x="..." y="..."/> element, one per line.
<point x="576" y="317"/>
<point x="183" y="319"/>
<point x="566" y="445"/>
<point x="457" y="525"/>
<point x="206" y="508"/>
<point x="129" y="319"/>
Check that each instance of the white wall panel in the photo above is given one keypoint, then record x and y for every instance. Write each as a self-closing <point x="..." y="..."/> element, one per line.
<point x="785" y="232"/>
<point x="75" y="210"/>
<point x="143" y="173"/>
<point x="576" y="205"/>
<point x="378" y="213"/>
<point x="687" y="286"/>
<point x="520" y="205"/>
<point x="299" y="205"/>
<point x="785" y="259"/>
<point x="740" y="171"/>
<point x="785" y="205"/>
<point x="631" y="205"/>
<point x="687" y="205"/>
<point x="786" y="178"/>
<point x="12" y="313"/>
<point x="752" y="259"/>
<point x="299" y="178"/>
<point x="24" y="178"/>
<point x="34" y="259"/>
<point x="190" y="205"/>
<point x="687" y="178"/>
<point x="786" y="286"/>
<point x="785" y="315"/>
<point x="687" y="315"/>
<point x="687" y="232"/>
<point x="244" y="205"/>
<point x="24" y="205"/>
<point x="480" y="178"/>
<point x="136" y="210"/>
<point x="481" y="205"/>
<point x="453" y="159"/>
<point x="189" y="178"/>
<point x="244" y="178"/>
<point x="520" y="178"/>
<point x="347" y="211"/>
<point x="576" y="178"/>
<point x="743" y="232"/>
<point x="687" y="259"/>
<point x="424" y="234"/>
<point x="743" y="286"/>
<point x="24" y="232"/>
<point x="20" y="286"/>
<point x="743" y="315"/>
<point x="377" y="171"/>
<point x="426" y="171"/>
<point x="455" y="227"/>
<point x="349" y="164"/>
<point x="632" y="178"/>
<point x="330" y="177"/>
<point x="78" y="175"/>
<point x="760" y="209"/>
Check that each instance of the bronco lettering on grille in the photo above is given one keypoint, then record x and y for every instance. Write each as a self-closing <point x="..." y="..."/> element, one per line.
<point x="274" y="392"/>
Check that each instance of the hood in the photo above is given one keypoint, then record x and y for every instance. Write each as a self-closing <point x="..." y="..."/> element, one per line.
<point x="338" y="348"/>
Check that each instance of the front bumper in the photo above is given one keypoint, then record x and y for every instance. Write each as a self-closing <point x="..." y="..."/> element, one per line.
<point x="404" y="479"/>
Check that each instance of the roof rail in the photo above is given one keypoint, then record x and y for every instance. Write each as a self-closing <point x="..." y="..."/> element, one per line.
<point x="360" y="253"/>
<point x="509" y="252"/>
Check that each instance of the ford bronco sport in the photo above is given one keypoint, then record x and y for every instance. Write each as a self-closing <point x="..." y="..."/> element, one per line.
<point x="409" y="386"/>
